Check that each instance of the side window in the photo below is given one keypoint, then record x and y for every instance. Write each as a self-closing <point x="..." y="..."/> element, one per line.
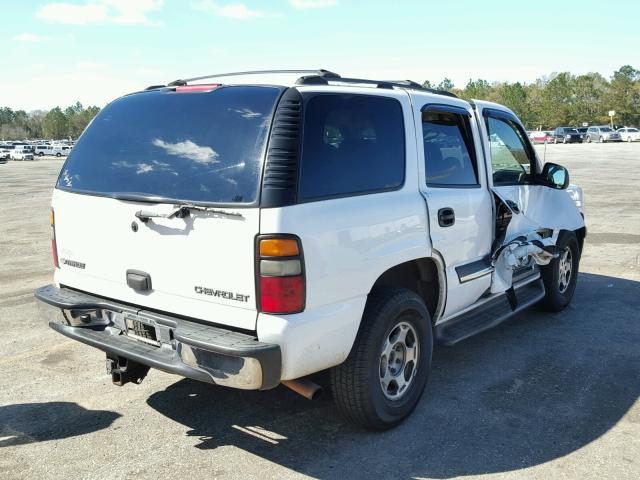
<point x="351" y="144"/>
<point x="510" y="160"/>
<point x="449" y="154"/>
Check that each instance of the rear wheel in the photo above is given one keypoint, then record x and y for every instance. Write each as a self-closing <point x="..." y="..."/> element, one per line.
<point x="561" y="274"/>
<point x="384" y="376"/>
<point x="601" y="139"/>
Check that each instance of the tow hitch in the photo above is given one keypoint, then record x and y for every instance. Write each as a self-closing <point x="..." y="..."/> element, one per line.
<point x="123" y="370"/>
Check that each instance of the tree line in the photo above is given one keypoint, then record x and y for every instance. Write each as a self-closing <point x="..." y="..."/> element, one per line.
<point x="557" y="100"/>
<point x="562" y="99"/>
<point x="56" y="124"/>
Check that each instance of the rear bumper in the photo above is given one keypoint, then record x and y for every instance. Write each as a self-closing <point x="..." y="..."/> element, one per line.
<point x="187" y="348"/>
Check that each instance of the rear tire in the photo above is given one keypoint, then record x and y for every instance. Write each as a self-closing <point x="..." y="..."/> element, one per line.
<point x="382" y="379"/>
<point x="560" y="276"/>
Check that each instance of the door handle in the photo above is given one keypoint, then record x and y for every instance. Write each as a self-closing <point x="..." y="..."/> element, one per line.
<point x="446" y="217"/>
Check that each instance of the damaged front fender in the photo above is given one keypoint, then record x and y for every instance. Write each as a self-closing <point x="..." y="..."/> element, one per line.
<point x="530" y="218"/>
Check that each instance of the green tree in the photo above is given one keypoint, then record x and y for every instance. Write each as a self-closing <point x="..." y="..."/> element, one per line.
<point x="55" y="124"/>
<point x="478" y="89"/>
<point x="624" y="95"/>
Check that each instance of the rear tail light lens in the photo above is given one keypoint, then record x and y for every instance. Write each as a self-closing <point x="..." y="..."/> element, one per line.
<point x="54" y="245"/>
<point x="281" y="294"/>
<point x="281" y="279"/>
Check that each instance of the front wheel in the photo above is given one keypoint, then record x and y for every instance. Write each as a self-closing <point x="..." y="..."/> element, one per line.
<point x="601" y="139"/>
<point x="588" y="139"/>
<point x="628" y="139"/>
<point x="560" y="276"/>
<point x="382" y="379"/>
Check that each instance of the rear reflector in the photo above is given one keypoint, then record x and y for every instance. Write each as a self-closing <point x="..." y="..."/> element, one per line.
<point x="203" y="87"/>
<point x="282" y="294"/>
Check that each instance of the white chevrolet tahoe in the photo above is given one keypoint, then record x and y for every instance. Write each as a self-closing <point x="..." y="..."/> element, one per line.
<point x="250" y="234"/>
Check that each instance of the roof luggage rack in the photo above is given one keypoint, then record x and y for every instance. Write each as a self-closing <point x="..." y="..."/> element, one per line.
<point x="324" y="80"/>
<point x="315" y="77"/>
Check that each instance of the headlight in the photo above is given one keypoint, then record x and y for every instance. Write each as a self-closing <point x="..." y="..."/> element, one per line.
<point x="568" y="136"/>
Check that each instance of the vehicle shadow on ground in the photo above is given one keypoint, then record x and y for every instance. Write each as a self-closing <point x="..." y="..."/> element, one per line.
<point x="25" y="423"/>
<point x="534" y="389"/>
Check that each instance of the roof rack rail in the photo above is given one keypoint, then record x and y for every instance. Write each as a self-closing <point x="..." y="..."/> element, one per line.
<point x="324" y="80"/>
<point x="319" y="73"/>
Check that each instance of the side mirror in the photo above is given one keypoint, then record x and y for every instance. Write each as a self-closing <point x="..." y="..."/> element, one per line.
<point x="555" y="176"/>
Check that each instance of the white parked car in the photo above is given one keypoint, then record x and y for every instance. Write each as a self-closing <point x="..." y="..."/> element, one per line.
<point x="629" y="134"/>
<point x="22" y="153"/>
<point x="268" y="232"/>
<point x="5" y="154"/>
<point x="53" y="150"/>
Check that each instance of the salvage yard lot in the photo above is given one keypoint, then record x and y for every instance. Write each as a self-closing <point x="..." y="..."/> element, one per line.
<point x="542" y="396"/>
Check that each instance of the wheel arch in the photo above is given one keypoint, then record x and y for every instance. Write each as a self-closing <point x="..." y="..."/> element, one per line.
<point x="423" y="276"/>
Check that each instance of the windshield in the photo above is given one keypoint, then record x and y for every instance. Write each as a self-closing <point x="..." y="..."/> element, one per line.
<point x="605" y="129"/>
<point x="198" y="147"/>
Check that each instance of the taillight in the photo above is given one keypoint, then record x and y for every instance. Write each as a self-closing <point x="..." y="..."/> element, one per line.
<point x="281" y="280"/>
<point x="54" y="245"/>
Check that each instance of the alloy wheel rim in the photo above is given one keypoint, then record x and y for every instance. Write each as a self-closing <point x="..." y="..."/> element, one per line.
<point x="565" y="269"/>
<point x="399" y="360"/>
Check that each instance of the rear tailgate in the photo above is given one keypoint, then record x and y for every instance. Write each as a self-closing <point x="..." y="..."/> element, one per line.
<point x="201" y="266"/>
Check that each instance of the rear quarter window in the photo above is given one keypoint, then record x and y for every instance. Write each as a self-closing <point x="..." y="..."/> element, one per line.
<point x="352" y="144"/>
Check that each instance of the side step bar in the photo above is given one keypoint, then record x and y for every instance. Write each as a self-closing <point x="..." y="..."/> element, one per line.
<point x="488" y="315"/>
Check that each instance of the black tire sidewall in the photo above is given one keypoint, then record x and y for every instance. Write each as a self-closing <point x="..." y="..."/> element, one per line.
<point x="554" y="299"/>
<point x="393" y="411"/>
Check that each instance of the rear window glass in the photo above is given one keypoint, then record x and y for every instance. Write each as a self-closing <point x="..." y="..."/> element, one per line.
<point x="199" y="147"/>
<point x="351" y="144"/>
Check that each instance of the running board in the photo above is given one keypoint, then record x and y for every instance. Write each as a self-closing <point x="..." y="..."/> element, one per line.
<point x="488" y="315"/>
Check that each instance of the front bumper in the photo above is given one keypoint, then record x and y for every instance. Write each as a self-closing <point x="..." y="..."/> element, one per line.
<point x="183" y="347"/>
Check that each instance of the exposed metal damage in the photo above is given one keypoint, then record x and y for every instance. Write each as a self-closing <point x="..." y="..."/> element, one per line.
<point x="528" y="222"/>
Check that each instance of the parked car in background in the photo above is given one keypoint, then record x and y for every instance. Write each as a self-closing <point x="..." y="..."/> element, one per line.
<point x="629" y="134"/>
<point x="583" y="132"/>
<point x="21" y="153"/>
<point x="602" y="134"/>
<point x="566" y="135"/>
<point x="5" y="154"/>
<point x="539" y="136"/>
<point x="42" y="150"/>
<point x="58" y="150"/>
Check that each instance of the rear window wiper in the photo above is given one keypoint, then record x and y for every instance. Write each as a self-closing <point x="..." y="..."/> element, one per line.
<point x="183" y="210"/>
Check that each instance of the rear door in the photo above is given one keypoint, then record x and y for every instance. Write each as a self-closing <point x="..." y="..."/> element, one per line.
<point x="142" y="157"/>
<point x="458" y="200"/>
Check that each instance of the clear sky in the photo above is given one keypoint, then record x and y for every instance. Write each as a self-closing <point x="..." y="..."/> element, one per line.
<point x="54" y="53"/>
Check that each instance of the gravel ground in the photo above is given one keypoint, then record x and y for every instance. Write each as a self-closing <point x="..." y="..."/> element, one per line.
<point x="541" y="396"/>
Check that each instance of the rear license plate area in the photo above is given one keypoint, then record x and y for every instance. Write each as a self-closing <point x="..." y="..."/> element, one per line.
<point x="141" y="331"/>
